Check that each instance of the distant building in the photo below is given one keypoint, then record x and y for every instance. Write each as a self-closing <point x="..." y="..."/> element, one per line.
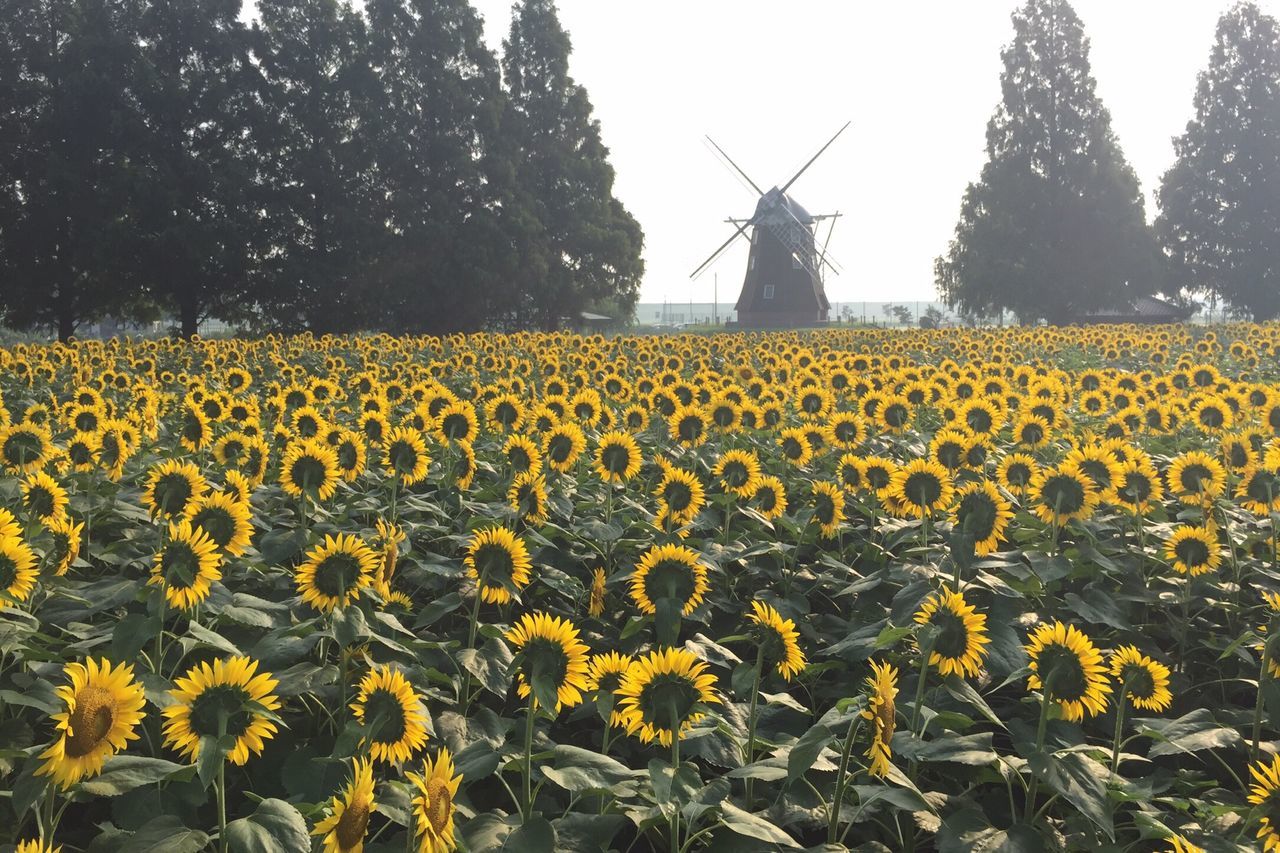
<point x="1145" y="310"/>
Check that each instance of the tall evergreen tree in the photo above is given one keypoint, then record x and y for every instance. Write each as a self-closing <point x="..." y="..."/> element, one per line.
<point x="201" y="206"/>
<point x="433" y="125"/>
<point x="1055" y="224"/>
<point x="581" y="245"/>
<point x="68" y="122"/>
<point x="316" y="161"/>
<point x="1220" y="202"/>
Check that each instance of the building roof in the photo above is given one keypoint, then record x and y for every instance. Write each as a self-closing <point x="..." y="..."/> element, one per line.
<point x="596" y="318"/>
<point x="1143" y="309"/>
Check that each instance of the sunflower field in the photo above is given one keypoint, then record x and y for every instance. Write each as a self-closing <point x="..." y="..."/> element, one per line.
<point x="1006" y="589"/>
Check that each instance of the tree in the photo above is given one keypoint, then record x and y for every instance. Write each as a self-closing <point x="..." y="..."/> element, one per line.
<point x="201" y="204"/>
<point x="1220" y="202"/>
<point x="443" y="262"/>
<point x="1055" y="224"/>
<point x="68" y="118"/>
<point x="581" y="244"/>
<point x="317" y="164"/>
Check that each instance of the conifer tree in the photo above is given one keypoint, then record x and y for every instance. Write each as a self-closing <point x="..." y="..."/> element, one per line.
<point x="1220" y="202"/>
<point x="1055" y="224"/>
<point x="582" y="245"/>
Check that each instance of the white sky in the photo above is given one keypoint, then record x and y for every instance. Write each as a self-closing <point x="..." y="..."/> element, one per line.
<point x="771" y="81"/>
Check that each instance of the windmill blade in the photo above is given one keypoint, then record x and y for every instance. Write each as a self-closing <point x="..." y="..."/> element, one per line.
<point x="822" y="259"/>
<point x="805" y="167"/>
<point x="741" y="232"/>
<point x="736" y="167"/>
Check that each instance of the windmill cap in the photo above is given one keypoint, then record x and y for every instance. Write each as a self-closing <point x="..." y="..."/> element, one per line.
<point x="775" y="198"/>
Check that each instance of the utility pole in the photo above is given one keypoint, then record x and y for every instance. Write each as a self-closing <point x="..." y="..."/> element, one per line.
<point x="715" y="300"/>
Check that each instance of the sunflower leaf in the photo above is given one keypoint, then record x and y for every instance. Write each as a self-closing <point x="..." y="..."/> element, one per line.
<point x="275" y="827"/>
<point x="753" y="826"/>
<point x="123" y="773"/>
<point x="165" y="834"/>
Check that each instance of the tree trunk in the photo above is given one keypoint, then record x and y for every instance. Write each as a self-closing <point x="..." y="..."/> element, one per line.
<point x="66" y="326"/>
<point x="189" y="316"/>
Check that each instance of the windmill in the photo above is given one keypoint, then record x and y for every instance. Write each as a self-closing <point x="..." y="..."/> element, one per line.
<point x="786" y="272"/>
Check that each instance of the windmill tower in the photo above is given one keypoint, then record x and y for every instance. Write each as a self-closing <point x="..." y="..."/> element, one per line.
<point x="786" y="272"/>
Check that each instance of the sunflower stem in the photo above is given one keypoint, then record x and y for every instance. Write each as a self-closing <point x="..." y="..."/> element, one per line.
<point x="1186" y="623"/>
<point x="675" y="771"/>
<point x="1263" y="674"/>
<point x="155" y="667"/>
<point x="222" y="805"/>
<point x="1046" y="691"/>
<point x="528" y="758"/>
<point x="1115" y="747"/>
<point x="752" y="718"/>
<point x="837" y="794"/>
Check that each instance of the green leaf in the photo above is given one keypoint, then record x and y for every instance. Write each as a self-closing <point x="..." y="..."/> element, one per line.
<point x="274" y="827"/>
<point x="963" y="691"/>
<point x="1193" y="732"/>
<point x="211" y="638"/>
<point x="578" y="770"/>
<point x="490" y="664"/>
<point x="213" y="751"/>
<point x="666" y="620"/>
<point x="349" y="626"/>
<point x="131" y="634"/>
<point x="536" y="835"/>
<point x="165" y="834"/>
<point x="123" y="773"/>
<point x="488" y="831"/>
<point x="1080" y="780"/>
<point x="973" y="749"/>
<point x="437" y="609"/>
<point x="745" y="823"/>
<point x="805" y="751"/>
<point x="587" y="832"/>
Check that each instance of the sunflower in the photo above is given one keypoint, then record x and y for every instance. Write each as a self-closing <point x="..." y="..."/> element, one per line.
<point x="922" y="487"/>
<point x="549" y="648"/>
<point x="672" y="572"/>
<point x="227" y="697"/>
<point x="43" y="498"/>
<point x="1072" y="667"/>
<point x="309" y="467"/>
<point x="828" y="507"/>
<point x="333" y="572"/>
<point x="1259" y="490"/>
<point x="595" y="603"/>
<point x="24" y="448"/>
<point x="982" y="512"/>
<point x="1265" y="793"/>
<point x="498" y="561"/>
<point x="878" y="471"/>
<point x="352" y="455"/>
<point x="66" y="544"/>
<point x="739" y="471"/>
<point x="617" y="457"/>
<point x="103" y="709"/>
<point x="681" y="495"/>
<point x="778" y="639"/>
<point x="950" y="447"/>
<point x="688" y="425"/>
<point x="83" y="449"/>
<point x="1196" y="477"/>
<point x="848" y="430"/>
<point x="881" y="710"/>
<point x="795" y="446"/>
<point x="1138" y="487"/>
<point x="225" y="519"/>
<point x="1016" y="472"/>
<point x="522" y="454"/>
<point x="770" y="497"/>
<point x="171" y="488"/>
<point x="604" y="676"/>
<point x="1193" y="550"/>
<point x="562" y="445"/>
<point x="528" y="497"/>
<point x="962" y="633"/>
<point x="1062" y="494"/>
<point x="405" y="456"/>
<point x="662" y="694"/>
<point x="1182" y="845"/>
<point x="895" y="413"/>
<point x="456" y="422"/>
<point x="187" y="565"/>
<point x="391" y="536"/>
<point x="35" y="845"/>
<point x="1145" y="681"/>
<point x="387" y="701"/>
<point x="435" y="788"/>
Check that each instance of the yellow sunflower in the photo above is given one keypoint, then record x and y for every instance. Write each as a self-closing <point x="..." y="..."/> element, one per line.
<point x="66" y="544"/>
<point x="103" y="709"/>
<point x="562" y="445"/>
<point x="1062" y="494"/>
<point x="225" y="519"/>
<point x="1265" y="793"/>
<point x="388" y="701"/>
<point x="1072" y="667"/>
<point x="522" y="454"/>
<point x="44" y="498"/>
<point x="922" y="487"/>
<point x="1196" y="477"/>
<point x="604" y="676"/>
<point x="171" y="488"/>
<point x="548" y="648"/>
<point x="1144" y="680"/>
<point x="795" y="447"/>
<point x="982" y="511"/>
<point x="187" y="565"/>
<point x="688" y="425"/>
<point x="663" y="693"/>
<point x="405" y="456"/>
<point x="1138" y="487"/>
<point x="1017" y="472"/>
<point x="779" y="640"/>
<point x="498" y="561"/>
<point x="739" y="472"/>
<point x="310" y="468"/>
<point x="671" y="572"/>
<point x="335" y="571"/>
<point x="17" y="567"/>
<point x="770" y="497"/>
<point x="227" y="697"/>
<point x="1259" y="490"/>
<point x="881" y="710"/>
<point x="434" y="790"/>
<point x="595" y="602"/>
<point x="24" y="448"/>
<point x="617" y="457"/>
<point x="681" y="496"/>
<point x="528" y="497"/>
<point x="457" y="423"/>
<point x="962" y="638"/>
<point x="35" y="845"/>
<point x="1193" y="550"/>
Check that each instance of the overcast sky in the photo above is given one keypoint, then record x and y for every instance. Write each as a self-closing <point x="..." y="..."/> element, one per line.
<point x="771" y="81"/>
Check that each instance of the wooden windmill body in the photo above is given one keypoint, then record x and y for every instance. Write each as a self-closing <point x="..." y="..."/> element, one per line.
<point x="784" y="284"/>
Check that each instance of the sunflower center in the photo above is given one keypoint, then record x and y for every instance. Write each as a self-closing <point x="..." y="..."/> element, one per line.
<point x="977" y="515"/>
<point x="90" y="721"/>
<point x="455" y="425"/>
<point x="494" y="563"/>
<point x="667" y="701"/>
<point x="1192" y="552"/>
<point x="1063" y="494"/>
<point x="559" y="447"/>
<point x="1018" y="474"/>
<point x="1138" y="681"/>
<point x="950" y="454"/>
<point x="40" y="501"/>
<point x="824" y="509"/>
<point x="736" y="474"/>
<point x="439" y="808"/>
<point x="352" y="825"/>
<point x="216" y="522"/>
<point x="520" y="460"/>
<point x="979" y="420"/>
<point x="347" y="456"/>
<point x="877" y="477"/>
<point x="172" y="493"/>
<point x="690" y="427"/>
<point x="1136" y="488"/>
<point x="1263" y="487"/>
<point x="218" y="703"/>
<point x="180" y="565"/>
<point x="1061" y="673"/>
<point x="1193" y="475"/>
<point x="307" y="472"/>
<point x="678" y="496"/>
<point x="923" y="488"/>
<point x="768" y="498"/>
<point x="953" y="637"/>
<point x="616" y="458"/>
<point x="1097" y="471"/>
<point x="669" y="579"/>
<point x="896" y="415"/>
<point x="384" y="707"/>
<point x="22" y="448"/>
